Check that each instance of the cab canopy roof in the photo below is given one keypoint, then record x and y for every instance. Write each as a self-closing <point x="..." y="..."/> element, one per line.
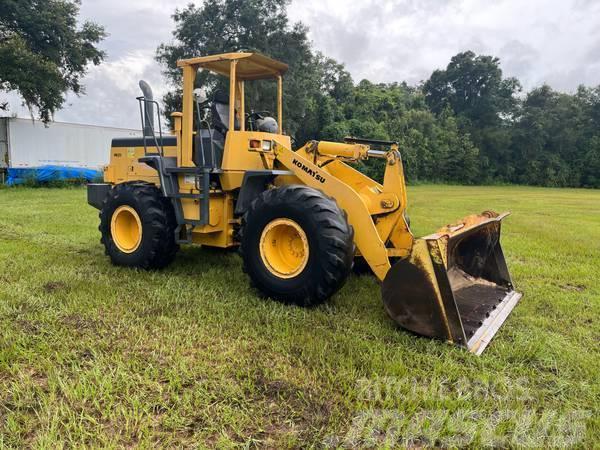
<point x="250" y="66"/>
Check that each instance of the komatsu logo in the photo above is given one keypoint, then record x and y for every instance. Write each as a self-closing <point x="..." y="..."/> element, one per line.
<point x="308" y="170"/>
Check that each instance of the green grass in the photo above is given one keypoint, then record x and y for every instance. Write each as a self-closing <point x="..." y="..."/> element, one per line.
<point x="95" y="355"/>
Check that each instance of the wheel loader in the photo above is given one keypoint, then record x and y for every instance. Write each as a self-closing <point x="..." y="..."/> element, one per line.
<point x="226" y="176"/>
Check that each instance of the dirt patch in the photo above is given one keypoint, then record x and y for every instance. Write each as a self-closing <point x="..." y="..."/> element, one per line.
<point x="28" y="326"/>
<point x="292" y="410"/>
<point x="76" y="321"/>
<point x="573" y="287"/>
<point x="53" y="286"/>
<point x="86" y="355"/>
<point x="38" y="378"/>
<point x="274" y="389"/>
<point x="80" y="323"/>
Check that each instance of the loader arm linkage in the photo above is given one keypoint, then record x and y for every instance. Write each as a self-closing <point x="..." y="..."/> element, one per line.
<point x="339" y="181"/>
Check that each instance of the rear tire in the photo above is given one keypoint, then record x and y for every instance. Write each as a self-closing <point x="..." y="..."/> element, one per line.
<point x="138" y="226"/>
<point x="297" y="245"/>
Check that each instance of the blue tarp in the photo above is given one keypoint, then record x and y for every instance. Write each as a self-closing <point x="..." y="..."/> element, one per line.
<point x="45" y="174"/>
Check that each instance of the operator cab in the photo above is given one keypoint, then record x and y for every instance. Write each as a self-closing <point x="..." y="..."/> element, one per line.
<point x="212" y="125"/>
<point x="206" y="121"/>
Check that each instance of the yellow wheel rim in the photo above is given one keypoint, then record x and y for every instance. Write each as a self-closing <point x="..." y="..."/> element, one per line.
<point x="284" y="248"/>
<point x="126" y="229"/>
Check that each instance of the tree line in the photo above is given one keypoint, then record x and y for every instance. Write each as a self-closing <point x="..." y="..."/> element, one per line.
<point x="466" y="124"/>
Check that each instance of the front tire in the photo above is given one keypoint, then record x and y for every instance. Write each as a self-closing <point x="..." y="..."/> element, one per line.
<point x="297" y="245"/>
<point x="138" y="224"/>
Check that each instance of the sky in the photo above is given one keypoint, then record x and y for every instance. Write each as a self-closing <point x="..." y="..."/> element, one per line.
<point x="554" y="41"/>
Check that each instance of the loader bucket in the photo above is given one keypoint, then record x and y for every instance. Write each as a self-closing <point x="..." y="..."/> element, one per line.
<point x="455" y="285"/>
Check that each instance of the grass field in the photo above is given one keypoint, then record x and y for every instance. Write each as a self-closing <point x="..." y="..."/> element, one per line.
<point x="94" y="355"/>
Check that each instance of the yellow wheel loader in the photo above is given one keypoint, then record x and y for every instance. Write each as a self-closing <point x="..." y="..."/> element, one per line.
<point x="227" y="178"/>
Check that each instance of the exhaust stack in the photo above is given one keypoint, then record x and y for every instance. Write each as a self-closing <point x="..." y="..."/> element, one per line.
<point x="148" y="108"/>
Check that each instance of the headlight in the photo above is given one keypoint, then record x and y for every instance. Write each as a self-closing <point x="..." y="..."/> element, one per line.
<point x="266" y="146"/>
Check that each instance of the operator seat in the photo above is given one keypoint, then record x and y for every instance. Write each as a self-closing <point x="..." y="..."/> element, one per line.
<point x="220" y="113"/>
<point x="203" y="156"/>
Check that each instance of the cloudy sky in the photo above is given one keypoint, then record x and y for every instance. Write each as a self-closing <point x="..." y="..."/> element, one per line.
<point x="552" y="41"/>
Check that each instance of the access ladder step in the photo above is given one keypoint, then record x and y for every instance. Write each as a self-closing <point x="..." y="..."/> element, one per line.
<point x="192" y="170"/>
<point x="184" y="195"/>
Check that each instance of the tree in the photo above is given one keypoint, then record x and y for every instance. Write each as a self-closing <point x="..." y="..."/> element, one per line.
<point x="220" y="26"/>
<point x="555" y="138"/>
<point x="589" y="156"/>
<point x="484" y="102"/>
<point x="432" y="147"/>
<point x="474" y="88"/>
<point x="43" y="52"/>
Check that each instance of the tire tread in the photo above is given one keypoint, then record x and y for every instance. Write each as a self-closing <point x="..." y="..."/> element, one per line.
<point x="335" y="241"/>
<point x="158" y="219"/>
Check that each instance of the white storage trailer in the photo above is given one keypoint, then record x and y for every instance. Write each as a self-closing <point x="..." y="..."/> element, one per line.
<point x="28" y="144"/>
